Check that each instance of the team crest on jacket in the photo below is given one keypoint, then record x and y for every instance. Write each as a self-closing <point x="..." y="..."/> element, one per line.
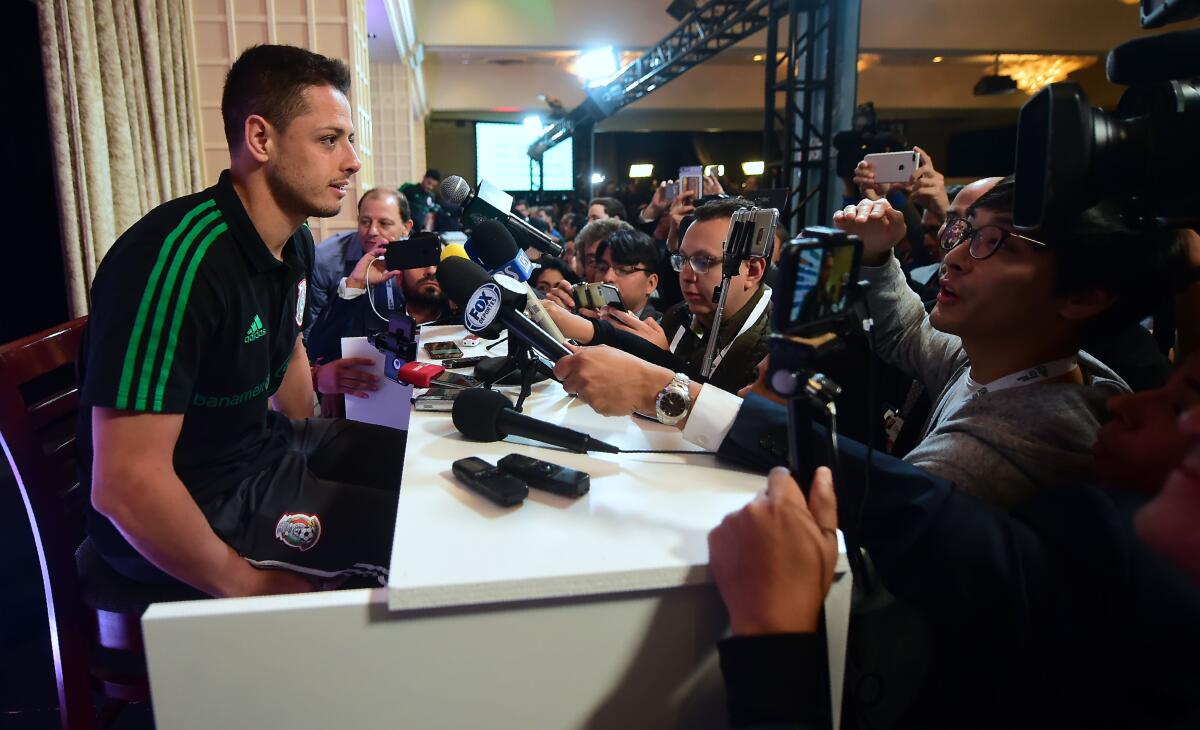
<point x="301" y="296"/>
<point x="298" y="530"/>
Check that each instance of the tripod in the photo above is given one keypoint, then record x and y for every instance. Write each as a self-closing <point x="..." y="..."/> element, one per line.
<point x="521" y="360"/>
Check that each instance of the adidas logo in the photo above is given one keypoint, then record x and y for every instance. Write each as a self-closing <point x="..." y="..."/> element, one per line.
<point x="255" y="332"/>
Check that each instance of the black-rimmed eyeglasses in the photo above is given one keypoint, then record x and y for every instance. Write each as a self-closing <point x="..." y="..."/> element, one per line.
<point x="985" y="240"/>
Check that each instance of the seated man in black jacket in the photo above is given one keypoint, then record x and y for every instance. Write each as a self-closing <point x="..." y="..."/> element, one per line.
<point x="1053" y="615"/>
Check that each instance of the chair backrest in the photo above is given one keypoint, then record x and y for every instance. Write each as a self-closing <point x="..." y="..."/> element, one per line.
<point x="39" y="406"/>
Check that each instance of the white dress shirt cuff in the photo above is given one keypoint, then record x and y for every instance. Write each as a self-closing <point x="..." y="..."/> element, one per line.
<point x="349" y="292"/>
<point x="712" y="416"/>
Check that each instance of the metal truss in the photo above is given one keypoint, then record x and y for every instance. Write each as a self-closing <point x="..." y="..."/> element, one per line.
<point x="798" y="124"/>
<point x="709" y="29"/>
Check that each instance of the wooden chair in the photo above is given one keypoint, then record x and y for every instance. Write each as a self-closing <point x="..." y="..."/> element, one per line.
<point x="94" y="612"/>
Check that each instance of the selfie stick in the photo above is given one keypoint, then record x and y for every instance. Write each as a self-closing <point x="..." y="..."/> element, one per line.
<point x="739" y="241"/>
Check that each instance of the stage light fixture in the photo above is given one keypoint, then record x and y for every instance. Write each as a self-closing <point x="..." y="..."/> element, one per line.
<point x="641" y="170"/>
<point x="597" y="178"/>
<point x="680" y="9"/>
<point x="753" y="168"/>
<point x="995" y="84"/>
<point x="596" y="66"/>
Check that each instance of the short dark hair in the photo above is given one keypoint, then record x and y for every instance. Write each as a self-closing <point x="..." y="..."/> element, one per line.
<point x="433" y="173"/>
<point x="1096" y="249"/>
<point x="613" y="208"/>
<point x="401" y="201"/>
<point x="630" y="247"/>
<point x="721" y="208"/>
<point x="270" y="81"/>
<point x="553" y="263"/>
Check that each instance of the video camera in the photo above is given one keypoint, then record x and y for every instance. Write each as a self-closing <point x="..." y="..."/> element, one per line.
<point x="867" y="136"/>
<point x="1071" y="156"/>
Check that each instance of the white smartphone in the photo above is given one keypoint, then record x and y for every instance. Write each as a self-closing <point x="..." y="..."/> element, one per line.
<point x="894" y="167"/>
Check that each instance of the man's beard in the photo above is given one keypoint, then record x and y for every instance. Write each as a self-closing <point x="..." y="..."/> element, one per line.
<point x="426" y="294"/>
<point x="291" y="199"/>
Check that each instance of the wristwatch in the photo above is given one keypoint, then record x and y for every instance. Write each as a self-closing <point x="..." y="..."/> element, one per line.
<point x="674" y="401"/>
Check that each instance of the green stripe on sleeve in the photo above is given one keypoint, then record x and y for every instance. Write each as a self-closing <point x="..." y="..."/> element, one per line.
<point x="139" y="323"/>
<point x="185" y="291"/>
<point x="162" y="304"/>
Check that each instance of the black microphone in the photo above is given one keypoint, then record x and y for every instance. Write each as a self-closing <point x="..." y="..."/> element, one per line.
<point x="487" y="302"/>
<point x="485" y="415"/>
<point x="492" y="203"/>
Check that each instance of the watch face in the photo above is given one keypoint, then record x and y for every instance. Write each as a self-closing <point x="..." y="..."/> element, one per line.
<point x="673" y="404"/>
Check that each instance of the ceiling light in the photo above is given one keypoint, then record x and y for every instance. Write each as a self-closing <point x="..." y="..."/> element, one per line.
<point x="641" y="170"/>
<point x="868" y="60"/>
<point x="758" y="57"/>
<point x="753" y="168"/>
<point x="1034" y="72"/>
<point x="533" y="125"/>
<point x="938" y="59"/>
<point x="596" y="66"/>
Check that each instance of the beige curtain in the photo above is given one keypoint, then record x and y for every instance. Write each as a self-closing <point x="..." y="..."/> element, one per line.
<point x="123" y="123"/>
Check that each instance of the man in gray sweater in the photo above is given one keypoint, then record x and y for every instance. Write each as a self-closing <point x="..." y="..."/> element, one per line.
<point x="1017" y="405"/>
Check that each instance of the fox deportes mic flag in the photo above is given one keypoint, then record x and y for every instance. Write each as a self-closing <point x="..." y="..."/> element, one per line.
<point x="490" y="304"/>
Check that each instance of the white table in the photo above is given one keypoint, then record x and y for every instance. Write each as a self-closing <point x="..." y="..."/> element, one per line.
<point x="594" y="612"/>
<point x="643" y="525"/>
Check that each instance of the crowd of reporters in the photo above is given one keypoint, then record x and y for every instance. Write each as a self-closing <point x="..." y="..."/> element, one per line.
<point x="1029" y="533"/>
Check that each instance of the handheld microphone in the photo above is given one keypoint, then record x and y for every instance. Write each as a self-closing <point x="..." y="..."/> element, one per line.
<point x="493" y="248"/>
<point x="492" y="303"/>
<point x="485" y="415"/>
<point x="492" y="203"/>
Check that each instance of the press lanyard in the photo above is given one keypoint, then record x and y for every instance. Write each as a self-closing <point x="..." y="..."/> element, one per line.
<point x="763" y="302"/>
<point x="1036" y="374"/>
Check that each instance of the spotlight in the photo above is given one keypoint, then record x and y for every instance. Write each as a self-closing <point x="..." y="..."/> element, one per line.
<point x="596" y="66"/>
<point x="718" y="170"/>
<point x="753" y="168"/>
<point x="679" y="9"/>
<point x="641" y="170"/>
<point x="533" y="125"/>
<point x="597" y="178"/>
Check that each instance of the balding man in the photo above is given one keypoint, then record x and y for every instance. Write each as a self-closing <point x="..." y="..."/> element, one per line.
<point x="383" y="216"/>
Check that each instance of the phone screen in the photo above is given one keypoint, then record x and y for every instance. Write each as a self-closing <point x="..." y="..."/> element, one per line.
<point x="822" y="283"/>
<point x="443" y="350"/>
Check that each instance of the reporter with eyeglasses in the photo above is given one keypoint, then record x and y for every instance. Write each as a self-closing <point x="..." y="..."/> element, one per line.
<point x="678" y="343"/>
<point x="1017" y="403"/>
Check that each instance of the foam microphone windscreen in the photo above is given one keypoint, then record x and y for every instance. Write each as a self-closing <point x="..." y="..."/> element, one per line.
<point x="493" y="245"/>
<point x="454" y="249"/>
<point x="454" y="190"/>
<point x="476" y="413"/>
<point x="460" y="278"/>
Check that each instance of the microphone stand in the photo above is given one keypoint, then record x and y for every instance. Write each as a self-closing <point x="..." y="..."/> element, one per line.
<point x="521" y="359"/>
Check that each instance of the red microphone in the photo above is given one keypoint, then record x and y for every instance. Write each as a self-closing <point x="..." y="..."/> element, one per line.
<point x="424" y="375"/>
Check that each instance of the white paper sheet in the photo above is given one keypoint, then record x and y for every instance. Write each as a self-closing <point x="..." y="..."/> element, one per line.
<point x="391" y="405"/>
